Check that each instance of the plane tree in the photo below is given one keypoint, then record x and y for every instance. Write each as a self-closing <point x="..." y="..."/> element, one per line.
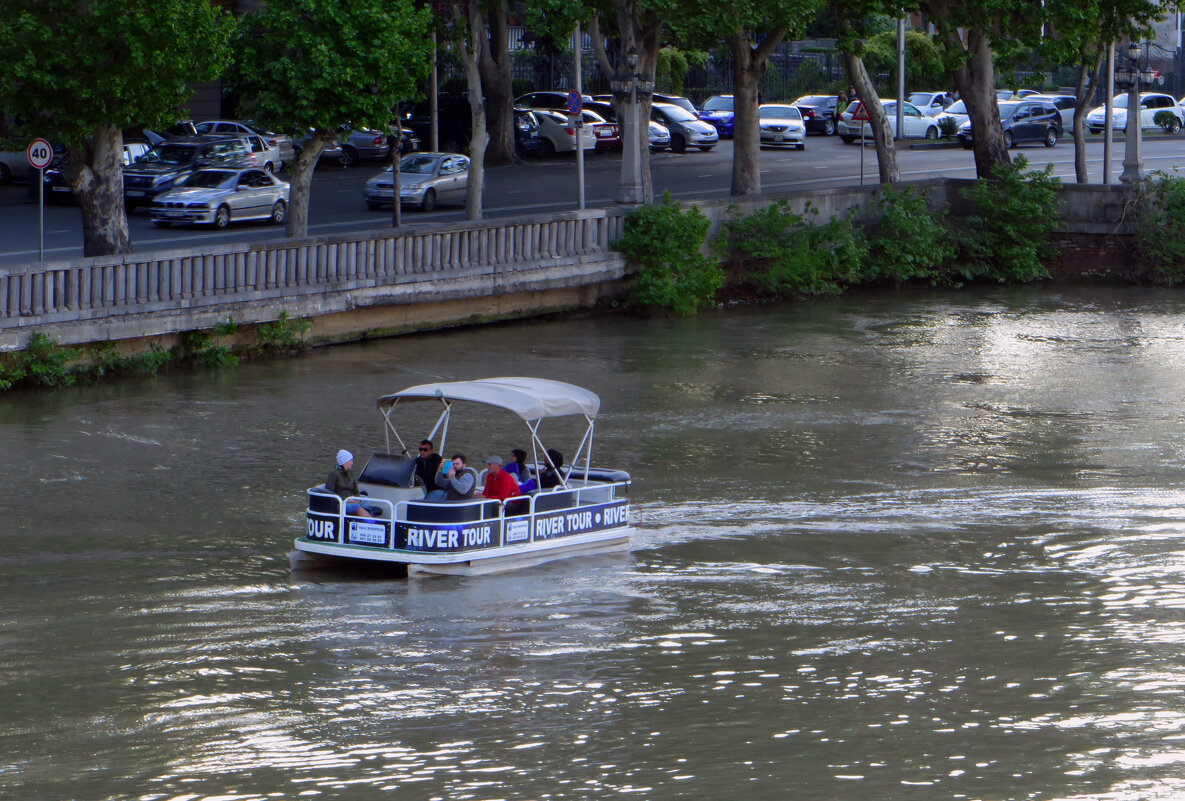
<point x="314" y="65"/>
<point x="751" y="29"/>
<point x="79" y="72"/>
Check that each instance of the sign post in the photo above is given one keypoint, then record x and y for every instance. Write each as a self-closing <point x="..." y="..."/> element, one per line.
<point x="40" y="155"/>
<point x="860" y="115"/>
<point x="576" y="107"/>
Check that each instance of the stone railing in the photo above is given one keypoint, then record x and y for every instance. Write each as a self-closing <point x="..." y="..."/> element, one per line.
<point x="166" y="292"/>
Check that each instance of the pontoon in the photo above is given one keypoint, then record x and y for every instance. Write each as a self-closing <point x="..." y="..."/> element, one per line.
<point x="589" y="512"/>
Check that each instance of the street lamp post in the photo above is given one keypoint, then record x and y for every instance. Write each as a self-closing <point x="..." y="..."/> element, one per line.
<point x="630" y="85"/>
<point x="1133" y="71"/>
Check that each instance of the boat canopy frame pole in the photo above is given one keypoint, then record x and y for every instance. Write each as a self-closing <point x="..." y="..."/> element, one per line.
<point x="389" y="429"/>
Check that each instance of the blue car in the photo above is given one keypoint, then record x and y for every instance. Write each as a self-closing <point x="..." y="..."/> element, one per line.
<point x="717" y="111"/>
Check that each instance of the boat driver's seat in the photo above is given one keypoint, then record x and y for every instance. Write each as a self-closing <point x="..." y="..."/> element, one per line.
<point x="390" y="470"/>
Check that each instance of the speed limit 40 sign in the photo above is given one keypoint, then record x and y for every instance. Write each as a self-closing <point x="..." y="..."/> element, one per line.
<point x="40" y="154"/>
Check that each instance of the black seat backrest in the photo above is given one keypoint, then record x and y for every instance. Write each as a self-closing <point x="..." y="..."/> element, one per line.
<point x="450" y="512"/>
<point x="322" y="500"/>
<point x="550" y="501"/>
<point x="389" y="470"/>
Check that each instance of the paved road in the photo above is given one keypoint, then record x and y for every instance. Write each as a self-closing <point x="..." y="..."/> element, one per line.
<point x="539" y="185"/>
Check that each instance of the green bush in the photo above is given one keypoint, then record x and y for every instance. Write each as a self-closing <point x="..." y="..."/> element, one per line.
<point x="199" y="347"/>
<point x="284" y="335"/>
<point x="1159" y="226"/>
<point x="43" y="363"/>
<point x="948" y="127"/>
<point x="665" y="241"/>
<point x="1168" y="121"/>
<point x="780" y="253"/>
<point x="1008" y="238"/>
<point x="910" y="242"/>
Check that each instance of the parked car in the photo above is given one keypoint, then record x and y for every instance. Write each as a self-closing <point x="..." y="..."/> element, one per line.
<point x="526" y="131"/>
<point x="58" y="191"/>
<point x="14" y="161"/>
<point x="425" y="180"/>
<point x="282" y="143"/>
<point x="362" y="144"/>
<point x="718" y="111"/>
<point x="930" y="103"/>
<point x="1023" y="121"/>
<point x="221" y="196"/>
<point x="676" y="100"/>
<point x="1065" y="106"/>
<point x="1150" y="104"/>
<point x="818" y="111"/>
<point x="659" y="136"/>
<point x="915" y="124"/>
<point x="781" y="126"/>
<point x="686" y="129"/>
<point x="182" y="129"/>
<point x="559" y="136"/>
<point x="171" y="163"/>
<point x="265" y="153"/>
<point x="557" y="101"/>
<point x="606" y="133"/>
<point x="454" y="124"/>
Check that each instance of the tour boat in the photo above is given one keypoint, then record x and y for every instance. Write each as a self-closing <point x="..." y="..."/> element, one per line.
<point x="588" y="512"/>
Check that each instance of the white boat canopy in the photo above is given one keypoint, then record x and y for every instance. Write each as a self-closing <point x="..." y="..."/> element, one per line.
<point x="532" y="399"/>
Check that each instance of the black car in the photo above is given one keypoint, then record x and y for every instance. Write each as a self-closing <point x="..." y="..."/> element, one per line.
<point x="455" y="123"/>
<point x="171" y="162"/>
<point x="1023" y="121"/>
<point x="818" y="112"/>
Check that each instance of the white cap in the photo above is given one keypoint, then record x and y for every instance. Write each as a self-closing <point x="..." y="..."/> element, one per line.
<point x="344" y="456"/>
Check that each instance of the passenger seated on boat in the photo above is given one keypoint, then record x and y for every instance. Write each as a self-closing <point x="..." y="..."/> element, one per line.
<point x="427" y="464"/>
<point x="500" y="485"/>
<point x="551" y="474"/>
<point x="456" y="481"/>
<point x="345" y="485"/>
<point x="517" y="466"/>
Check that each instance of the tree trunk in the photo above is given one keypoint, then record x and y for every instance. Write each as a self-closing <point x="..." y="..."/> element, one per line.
<point x="302" y="181"/>
<point x="976" y="79"/>
<point x="95" y="174"/>
<point x="1082" y="94"/>
<point x="477" y="114"/>
<point x="644" y="36"/>
<point x="498" y="88"/>
<point x="882" y="132"/>
<point x="748" y="65"/>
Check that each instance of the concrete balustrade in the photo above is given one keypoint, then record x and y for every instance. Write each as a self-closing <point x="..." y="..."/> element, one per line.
<point x="416" y="278"/>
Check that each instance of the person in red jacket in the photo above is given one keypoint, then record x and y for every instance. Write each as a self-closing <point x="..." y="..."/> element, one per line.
<point x="500" y="485"/>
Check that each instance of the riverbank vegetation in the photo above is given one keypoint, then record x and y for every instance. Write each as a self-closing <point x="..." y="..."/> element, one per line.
<point x="773" y="252"/>
<point x="45" y="363"/>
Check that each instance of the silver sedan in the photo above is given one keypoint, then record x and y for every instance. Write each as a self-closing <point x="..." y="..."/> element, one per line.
<point x="425" y="179"/>
<point x="220" y="196"/>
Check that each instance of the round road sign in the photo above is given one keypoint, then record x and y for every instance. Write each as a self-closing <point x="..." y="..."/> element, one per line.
<point x="575" y="102"/>
<point x="40" y="154"/>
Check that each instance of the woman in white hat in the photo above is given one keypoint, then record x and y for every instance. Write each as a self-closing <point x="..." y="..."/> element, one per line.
<point x="341" y="482"/>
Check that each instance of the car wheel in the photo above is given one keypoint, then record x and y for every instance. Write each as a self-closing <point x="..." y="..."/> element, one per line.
<point x="5" y="174"/>
<point x="706" y="148"/>
<point x="847" y="140"/>
<point x="547" y="148"/>
<point x="829" y="127"/>
<point x="1174" y="125"/>
<point x="429" y="202"/>
<point x="678" y="143"/>
<point x="279" y="213"/>
<point x="1096" y="130"/>
<point x="222" y="217"/>
<point x="269" y="167"/>
<point x="1008" y="140"/>
<point x="932" y="132"/>
<point x="349" y="157"/>
<point x="1051" y="137"/>
<point x="800" y="147"/>
<point x="161" y="223"/>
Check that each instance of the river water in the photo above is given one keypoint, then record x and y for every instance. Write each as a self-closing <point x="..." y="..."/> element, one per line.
<point x="900" y="547"/>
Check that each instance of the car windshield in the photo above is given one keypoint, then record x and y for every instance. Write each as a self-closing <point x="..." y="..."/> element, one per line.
<point x="779" y="113"/>
<point x="718" y="103"/>
<point x="418" y="165"/>
<point x="957" y="107"/>
<point x="168" y="154"/>
<point x="920" y="98"/>
<point x="679" y="114"/>
<point x="210" y="179"/>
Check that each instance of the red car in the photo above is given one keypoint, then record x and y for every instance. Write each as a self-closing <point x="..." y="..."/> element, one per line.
<point x="607" y="133"/>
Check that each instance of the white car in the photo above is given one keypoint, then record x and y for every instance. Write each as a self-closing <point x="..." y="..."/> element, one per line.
<point x="930" y="103"/>
<point x="559" y="136"/>
<point x="916" y="124"/>
<point x="687" y="130"/>
<point x="425" y="180"/>
<point x="956" y="111"/>
<point x="1150" y="104"/>
<point x="1065" y="107"/>
<point x="221" y="196"/>
<point x="660" y="137"/>
<point x="781" y="126"/>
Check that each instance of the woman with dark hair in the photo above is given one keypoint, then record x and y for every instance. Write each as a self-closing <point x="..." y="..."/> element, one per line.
<point x="551" y="474"/>
<point x="517" y="466"/>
